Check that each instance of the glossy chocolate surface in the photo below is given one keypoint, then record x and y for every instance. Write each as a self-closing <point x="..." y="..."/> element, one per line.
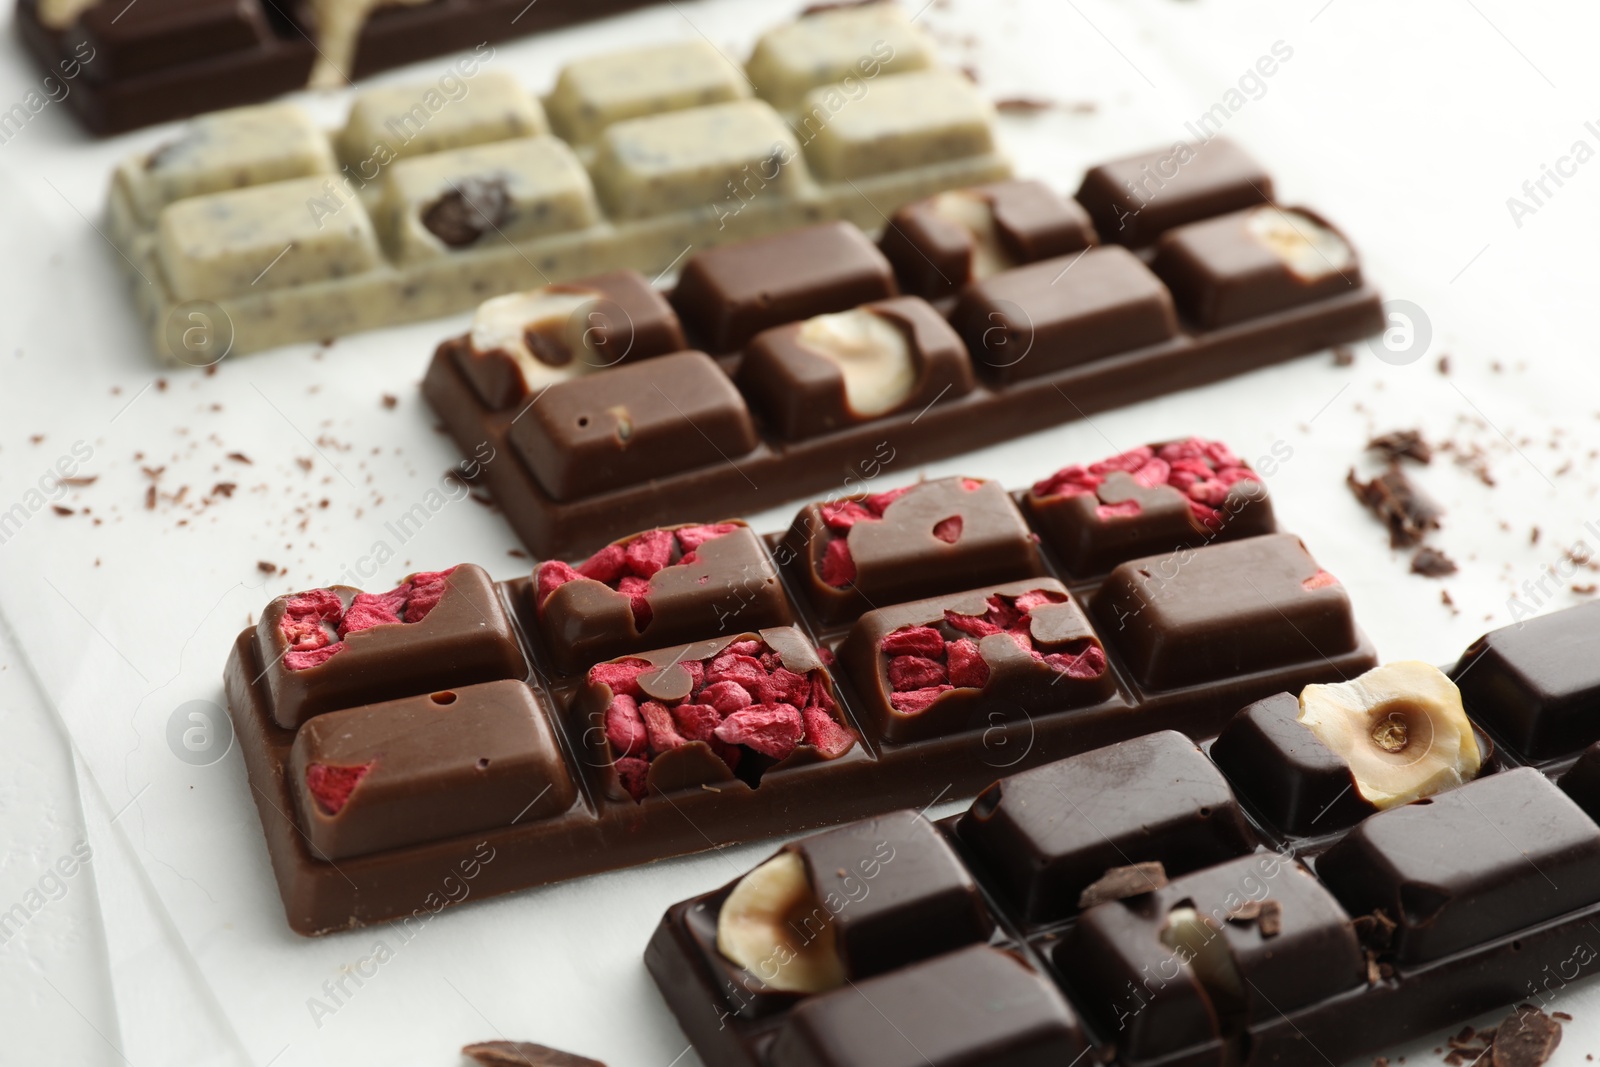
<point x="1536" y="684"/>
<point x="800" y="392"/>
<point x="727" y="295"/>
<point x="1045" y="835"/>
<point x="1133" y="201"/>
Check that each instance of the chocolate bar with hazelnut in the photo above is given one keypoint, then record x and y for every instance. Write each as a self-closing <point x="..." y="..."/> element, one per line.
<point x="636" y="747"/>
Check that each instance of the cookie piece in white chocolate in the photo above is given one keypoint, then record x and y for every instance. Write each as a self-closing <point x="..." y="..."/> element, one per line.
<point x="696" y="159"/>
<point x="904" y="121"/>
<point x="545" y="331"/>
<point x="832" y="46"/>
<point x="592" y="94"/>
<point x="545" y="191"/>
<point x="872" y="355"/>
<point x="262" y="239"/>
<point x="402" y="121"/>
<point x="226" y="150"/>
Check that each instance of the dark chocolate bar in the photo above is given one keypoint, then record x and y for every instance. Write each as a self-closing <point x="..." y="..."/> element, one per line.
<point x="1182" y="926"/>
<point x="676" y="690"/>
<point x="831" y="376"/>
<point x="1536" y="684"/>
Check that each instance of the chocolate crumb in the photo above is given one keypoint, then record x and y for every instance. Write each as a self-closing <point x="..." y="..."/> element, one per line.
<point x="1587" y="589"/>
<point x="266" y="567"/>
<point x="469" y="210"/>
<point x="1380" y="1061"/>
<point x="1119" y="883"/>
<point x="1027" y="105"/>
<point x="150" y="498"/>
<point x="1344" y="356"/>
<point x="239" y="457"/>
<point x="524" y="1054"/>
<point x="1431" y="563"/>
<point x="1375" y="929"/>
<point x="1449" y="601"/>
<point x="1526" y="1038"/>
<point x="81" y="481"/>
<point x="1402" y="444"/>
<point x="1398" y="504"/>
<point x="516" y="553"/>
<point x="390" y="400"/>
<point x="224" y="488"/>
<point x="1444" y="365"/>
<point x="59" y="510"/>
<point x="1563" y="1016"/>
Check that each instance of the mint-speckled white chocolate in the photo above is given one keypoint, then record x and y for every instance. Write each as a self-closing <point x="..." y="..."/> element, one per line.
<point x="595" y="93"/>
<point x="402" y="121"/>
<point x="831" y="46"/>
<point x="262" y="238"/>
<point x="646" y="189"/>
<point x="547" y="188"/>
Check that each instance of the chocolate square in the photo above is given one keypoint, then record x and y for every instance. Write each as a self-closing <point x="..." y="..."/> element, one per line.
<point x="727" y="295"/>
<point x="1135" y="200"/>
<point x="1046" y="835"/>
<point x="1296" y="782"/>
<point x="128" y="40"/>
<point x="1211" y="613"/>
<point x="449" y="763"/>
<point x="1497" y="855"/>
<point x="1536" y="683"/>
<point x="979" y="1007"/>
<point x="1063" y="312"/>
<point x="633" y="423"/>
<point x="801" y="392"/>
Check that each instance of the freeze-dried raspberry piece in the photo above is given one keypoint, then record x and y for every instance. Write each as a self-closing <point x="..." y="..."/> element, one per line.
<point x="1190" y="448"/>
<point x="1089" y="663"/>
<point x="331" y="784"/>
<point x="746" y="671"/>
<point x="838" y="566"/>
<point x="697" y="673"/>
<point x="918" y="700"/>
<point x="948" y="530"/>
<point x="912" y="640"/>
<point x="878" y="503"/>
<point x="624" y="726"/>
<point x="845" y="514"/>
<point x="696" y="722"/>
<point x="553" y="576"/>
<point x="619" y="677"/>
<point x="660" y="728"/>
<point x="727" y="696"/>
<point x="1320" y="580"/>
<point x="824" y="733"/>
<point x="974" y="625"/>
<point x="632" y="772"/>
<point x="426" y="589"/>
<point x="1003" y="613"/>
<point x="692" y="537"/>
<point x="303" y="617"/>
<point x="1037" y="598"/>
<point x="1128" y="461"/>
<point x="1068" y="481"/>
<point x="1153" y="473"/>
<point x="1212" y="493"/>
<point x="907" y="673"/>
<point x="1206" y="516"/>
<point x="750" y="647"/>
<point x="606" y="565"/>
<point x="784" y="686"/>
<point x="313" y="657"/>
<point x="650" y="552"/>
<point x="1233" y="475"/>
<point x="966" y="665"/>
<point x="770" y="729"/>
<point x="637" y="590"/>
<point x="1128" y="509"/>
<point x="373" y="609"/>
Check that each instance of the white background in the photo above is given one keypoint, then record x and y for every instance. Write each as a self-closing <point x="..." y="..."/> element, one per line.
<point x="1410" y="126"/>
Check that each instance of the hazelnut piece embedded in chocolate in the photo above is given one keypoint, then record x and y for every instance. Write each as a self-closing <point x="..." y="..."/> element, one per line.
<point x="1400" y="727"/>
<point x="871" y="353"/>
<point x="769" y="926"/>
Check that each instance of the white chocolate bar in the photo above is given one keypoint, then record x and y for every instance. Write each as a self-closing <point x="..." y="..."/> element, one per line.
<point x="436" y="201"/>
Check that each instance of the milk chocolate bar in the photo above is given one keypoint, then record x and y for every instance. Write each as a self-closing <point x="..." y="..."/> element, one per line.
<point x="1173" y="918"/>
<point x="836" y="378"/>
<point x="433" y="198"/>
<point x="687" y="685"/>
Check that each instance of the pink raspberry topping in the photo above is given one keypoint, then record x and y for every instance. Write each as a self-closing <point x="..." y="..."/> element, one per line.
<point x="331" y="784"/>
<point x="838" y="568"/>
<point x="1201" y="470"/>
<point x="628" y="565"/>
<point x="742" y="700"/>
<point x="315" y="623"/>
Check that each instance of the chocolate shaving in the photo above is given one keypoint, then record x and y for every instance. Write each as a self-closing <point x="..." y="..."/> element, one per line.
<point x="81" y="481"/>
<point x="1375" y="929"/>
<point x="468" y="211"/>
<point x="524" y="1054"/>
<point x="266" y="567"/>
<point x="1120" y="883"/>
<point x="60" y="510"/>
<point x="240" y="457"/>
<point x="1344" y="356"/>
<point x="1266" y="914"/>
<point x="1526" y="1038"/>
<point x="1402" y="444"/>
<point x="1431" y="563"/>
<point x="1398" y="504"/>
<point x="1023" y="104"/>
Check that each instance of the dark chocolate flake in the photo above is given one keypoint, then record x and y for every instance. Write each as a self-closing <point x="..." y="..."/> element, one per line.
<point x="468" y="211"/>
<point x="1120" y="883"/>
<point x="524" y="1054"/>
<point x="1526" y="1038"/>
<point x="1398" y="504"/>
<point x="1431" y="563"/>
<point x="1402" y="444"/>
